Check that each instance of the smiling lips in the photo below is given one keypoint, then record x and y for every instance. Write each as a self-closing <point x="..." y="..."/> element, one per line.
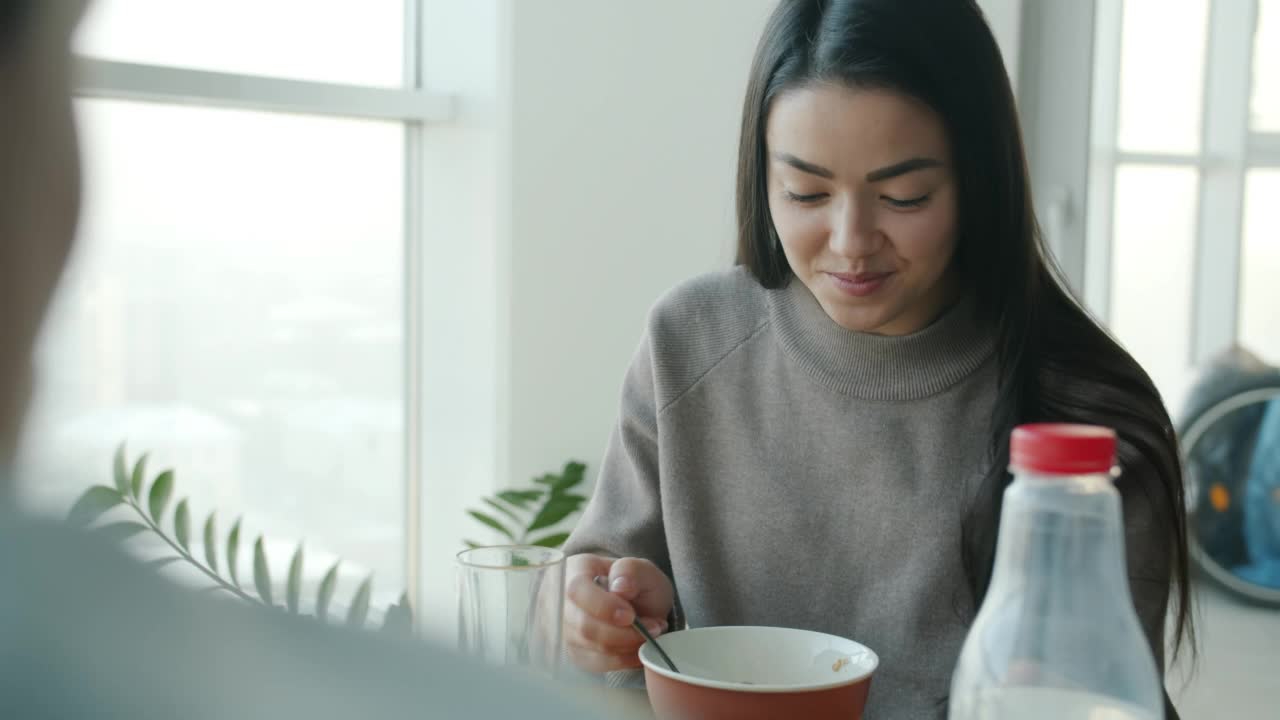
<point x="859" y="284"/>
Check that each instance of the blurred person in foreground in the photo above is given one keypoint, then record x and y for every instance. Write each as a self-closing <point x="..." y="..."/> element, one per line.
<point x="86" y="632"/>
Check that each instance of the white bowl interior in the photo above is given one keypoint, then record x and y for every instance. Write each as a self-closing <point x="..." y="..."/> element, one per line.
<point x="763" y="659"/>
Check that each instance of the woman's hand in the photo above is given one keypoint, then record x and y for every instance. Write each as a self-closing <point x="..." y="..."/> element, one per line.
<point x="597" y="621"/>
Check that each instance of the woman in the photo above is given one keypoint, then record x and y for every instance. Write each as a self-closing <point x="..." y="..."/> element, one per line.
<point x="818" y="438"/>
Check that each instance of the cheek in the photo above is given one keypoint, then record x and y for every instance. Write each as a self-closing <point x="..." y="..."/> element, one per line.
<point x="802" y="231"/>
<point x="925" y="239"/>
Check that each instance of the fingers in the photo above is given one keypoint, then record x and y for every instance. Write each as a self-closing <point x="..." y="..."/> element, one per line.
<point x="643" y="583"/>
<point x="598" y="633"/>
<point x="597" y="603"/>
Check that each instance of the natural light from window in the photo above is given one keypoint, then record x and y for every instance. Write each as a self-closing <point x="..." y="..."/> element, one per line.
<point x="1260" y="266"/>
<point x="1162" y="75"/>
<point x="1265" y="105"/>
<point x="1151" y="266"/>
<point x="359" y="42"/>
<point x="234" y="307"/>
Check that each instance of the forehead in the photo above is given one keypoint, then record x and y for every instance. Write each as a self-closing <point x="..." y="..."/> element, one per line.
<point x="853" y="131"/>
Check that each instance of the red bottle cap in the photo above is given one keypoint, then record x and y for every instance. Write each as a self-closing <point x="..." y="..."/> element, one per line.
<point x="1061" y="449"/>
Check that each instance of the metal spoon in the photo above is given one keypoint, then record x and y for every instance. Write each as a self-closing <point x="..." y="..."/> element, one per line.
<point x="603" y="582"/>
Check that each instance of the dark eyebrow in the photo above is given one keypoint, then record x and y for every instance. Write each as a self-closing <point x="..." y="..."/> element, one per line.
<point x="902" y="168"/>
<point x="884" y="173"/>
<point x="803" y="165"/>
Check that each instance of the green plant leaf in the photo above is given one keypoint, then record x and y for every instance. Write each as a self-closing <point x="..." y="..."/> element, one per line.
<point x="502" y="509"/>
<point x="399" y="618"/>
<point x="557" y="508"/>
<point x="160" y="492"/>
<point x="119" y="472"/>
<point x="360" y="604"/>
<point x="93" y="503"/>
<point x="548" y="479"/>
<point x="327" y="586"/>
<point x="293" y="588"/>
<point x="161" y="562"/>
<point x="139" y="476"/>
<point x="472" y="544"/>
<point x="233" y="553"/>
<point x="491" y="522"/>
<point x="210" y="541"/>
<point x="182" y="525"/>
<point x="551" y="541"/>
<point x="261" y="573"/>
<point x="573" y="475"/>
<point x="118" y="532"/>
<point x="521" y="498"/>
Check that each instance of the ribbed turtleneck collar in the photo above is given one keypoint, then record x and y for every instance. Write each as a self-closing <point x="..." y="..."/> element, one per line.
<point x="879" y="367"/>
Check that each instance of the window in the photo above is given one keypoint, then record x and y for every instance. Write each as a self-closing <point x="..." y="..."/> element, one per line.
<point x="235" y="308"/>
<point x="1260" y="257"/>
<point x="1265" y="99"/>
<point x="246" y="303"/>
<point x="1260" y="264"/>
<point x="1152" y="262"/>
<point x="358" y="43"/>
<point x="1162" y="49"/>
<point x="1183" y="244"/>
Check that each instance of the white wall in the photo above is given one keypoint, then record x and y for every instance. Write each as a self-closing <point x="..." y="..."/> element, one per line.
<point x="1005" y="19"/>
<point x="1057" y="71"/>
<point x="459" y="201"/>
<point x="624" y="125"/>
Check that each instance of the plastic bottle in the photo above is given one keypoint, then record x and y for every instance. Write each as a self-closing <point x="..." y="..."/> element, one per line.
<point x="1057" y="636"/>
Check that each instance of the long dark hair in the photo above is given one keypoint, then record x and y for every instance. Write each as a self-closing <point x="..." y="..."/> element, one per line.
<point x="1055" y="362"/>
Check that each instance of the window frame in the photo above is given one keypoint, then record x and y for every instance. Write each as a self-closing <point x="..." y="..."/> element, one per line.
<point x="411" y="105"/>
<point x="1229" y="149"/>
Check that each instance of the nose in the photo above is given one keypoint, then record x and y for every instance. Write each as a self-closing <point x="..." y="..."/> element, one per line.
<point x="853" y="229"/>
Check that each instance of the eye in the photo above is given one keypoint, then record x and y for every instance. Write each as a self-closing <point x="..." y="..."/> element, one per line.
<point x="805" y="199"/>
<point x="906" y="204"/>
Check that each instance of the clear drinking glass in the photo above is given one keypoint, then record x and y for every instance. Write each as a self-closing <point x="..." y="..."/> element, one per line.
<point x="510" y="601"/>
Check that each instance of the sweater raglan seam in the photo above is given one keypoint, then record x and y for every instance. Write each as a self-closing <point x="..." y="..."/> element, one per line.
<point x="720" y="361"/>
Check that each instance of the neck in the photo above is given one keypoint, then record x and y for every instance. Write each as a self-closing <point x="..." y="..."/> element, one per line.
<point x="880" y="367"/>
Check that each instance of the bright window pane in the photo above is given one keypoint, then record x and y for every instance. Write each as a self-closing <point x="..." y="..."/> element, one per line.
<point x="1260" y="266"/>
<point x="1151" y="269"/>
<point x="234" y="308"/>
<point x="1266" y="68"/>
<point x="1162" y="63"/>
<point x="359" y="42"/>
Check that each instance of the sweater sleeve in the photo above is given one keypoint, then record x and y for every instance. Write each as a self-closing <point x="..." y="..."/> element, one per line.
<point x="624" y="516"/>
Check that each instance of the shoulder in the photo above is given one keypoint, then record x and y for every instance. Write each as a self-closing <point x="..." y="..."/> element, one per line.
<point x="698" y="323"/>
<point x="78" y="617"/>
<point x="727" y="295"/>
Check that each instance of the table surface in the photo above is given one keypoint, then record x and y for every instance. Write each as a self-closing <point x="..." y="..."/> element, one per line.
<point x="621" y="703"/>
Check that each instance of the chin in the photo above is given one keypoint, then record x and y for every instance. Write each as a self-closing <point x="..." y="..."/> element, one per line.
<point x="862" y="318"/>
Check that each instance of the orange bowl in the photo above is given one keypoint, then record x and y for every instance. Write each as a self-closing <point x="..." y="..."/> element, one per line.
<point x="754" y="673"/>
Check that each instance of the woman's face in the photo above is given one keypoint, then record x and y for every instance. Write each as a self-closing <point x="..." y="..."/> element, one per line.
<point x="863" y="197"/>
